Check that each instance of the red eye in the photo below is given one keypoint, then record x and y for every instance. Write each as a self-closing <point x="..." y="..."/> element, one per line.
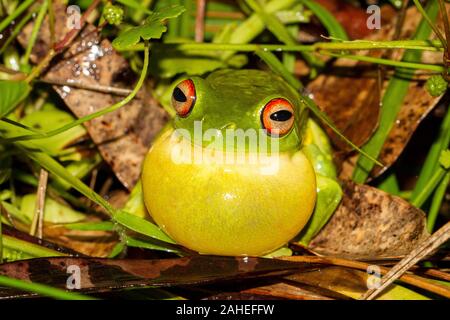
<point x="183" y="97"/>
<point x="277" y="117"/>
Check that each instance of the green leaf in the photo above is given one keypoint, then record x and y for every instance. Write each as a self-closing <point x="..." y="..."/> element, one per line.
<point x="91" y="226"/>
<point x="141" y="226"/>
<point x="54" y="212"/>
<point x="51" y="119"/>
<point x="444" y="160"/>
<point x="153" y="27"/>
<point x="12" y="93"/>
<point x="139" y="243"/>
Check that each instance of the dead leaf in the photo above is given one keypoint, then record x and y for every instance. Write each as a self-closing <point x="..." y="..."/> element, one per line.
<point x="100" y="275"/>
<point x="90" y="243"/>
<point x="370" y="223"/>
<point x="12" y="232"/>
<point x="289" y="291"/>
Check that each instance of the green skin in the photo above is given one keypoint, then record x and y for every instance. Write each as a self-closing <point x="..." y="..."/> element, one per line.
<point x="234" y="99"/>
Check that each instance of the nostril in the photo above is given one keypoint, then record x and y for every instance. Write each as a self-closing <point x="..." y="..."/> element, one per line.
<point x="230" y="125"/>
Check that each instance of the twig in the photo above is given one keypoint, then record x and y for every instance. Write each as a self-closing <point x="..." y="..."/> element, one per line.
<point x="106" y="186"/>
<point x="51" y="22"/>
<point x="401" y="20"/>
<point x="38" y="218"/>
<point x="92" y="87"/>
<point x="200" y="21"/>
<point x="92" y="184"/>
<point x="428" y="246"/>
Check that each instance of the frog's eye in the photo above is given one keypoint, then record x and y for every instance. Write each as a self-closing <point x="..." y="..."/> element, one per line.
<point x="277" y="117"/>
<point x="183" y="97"/>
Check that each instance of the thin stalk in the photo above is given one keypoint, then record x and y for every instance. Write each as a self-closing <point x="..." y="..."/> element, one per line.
<point x="390" y="184"/>
<point x="388" y="62"/>
<point x="51" y="22"/>
<point x="421" y="45"/>
<point x="431" y="23"/>
<point x="38" y="218"/>
<point x="24" y="6"/>
<point x="34" y="32"/>
<point x="18" y="28"/>
<point x="444" y="15"/>
<point x="437" y="202"/>
<point x="94" y="115"/>
<point x="200" y="21"/>
<point x="41" y="289"/>
<point x="432" y="161"/>
<point x="425" y="193"/>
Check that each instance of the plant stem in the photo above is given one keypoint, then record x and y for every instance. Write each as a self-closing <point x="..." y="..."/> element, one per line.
<point x="388" y="62"/>
<point x="24" y="6"/>
<point x="42" y="289"/>
<point x="437" y="202"/>
<point x="432" y="161"/>
<point x="423" y="195"/>
<point x="422" y="45"/>
<point x="431" y="23"/>
<point x="34" y="32"/>
<point x="18" y="28"/>
<point x="51" y="22"/>
<point x="38" y="218"/>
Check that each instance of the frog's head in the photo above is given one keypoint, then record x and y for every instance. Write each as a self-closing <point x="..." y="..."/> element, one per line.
<point x="230" y="101"/>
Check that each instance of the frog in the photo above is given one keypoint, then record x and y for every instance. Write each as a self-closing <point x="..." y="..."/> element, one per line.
<point x="240" y="208"/>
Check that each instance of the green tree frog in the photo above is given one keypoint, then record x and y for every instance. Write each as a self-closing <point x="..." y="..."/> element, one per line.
<point x="241" y="169"/>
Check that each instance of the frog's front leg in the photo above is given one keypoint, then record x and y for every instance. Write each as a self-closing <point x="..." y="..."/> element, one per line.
<point x="329" y="193"/>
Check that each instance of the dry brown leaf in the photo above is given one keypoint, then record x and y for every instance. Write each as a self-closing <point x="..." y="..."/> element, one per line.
<point x="90" y="243"/>
<point x="370" y="223"/>
<point x="289" y="291"/>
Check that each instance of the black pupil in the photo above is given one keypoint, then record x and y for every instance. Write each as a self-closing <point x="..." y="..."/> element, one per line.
<point x="282" y="115"/>
<point x="179" y="95"/>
